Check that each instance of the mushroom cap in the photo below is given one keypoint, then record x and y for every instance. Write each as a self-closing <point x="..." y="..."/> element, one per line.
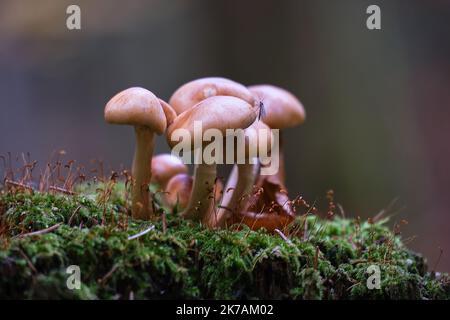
<point x="218" y="112"/>
<point x="195" y="91"/>
<point x="282" y="108"/>
<point x="179" y="189"/>
<point x="136" y="106"/>
<point x="165" y="166"/>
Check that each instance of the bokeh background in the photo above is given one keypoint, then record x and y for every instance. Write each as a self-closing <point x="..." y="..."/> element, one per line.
<point x="378" y="102"/>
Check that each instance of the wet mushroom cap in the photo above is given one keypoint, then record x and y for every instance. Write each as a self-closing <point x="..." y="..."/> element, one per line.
<point x="282" y="108"/>
<point x="136" y="106"/>
<point x="195" y="91"/>
<point x="165" y="166"/>
<point x="218" y="112"/>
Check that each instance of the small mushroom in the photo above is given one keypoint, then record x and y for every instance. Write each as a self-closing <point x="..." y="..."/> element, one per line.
<point x="219" y="112"/>
<point x="178" y="191"/>
<point x="148" y="114"/>
<point x="281" y="110"/>
<point x="165" y="166"/>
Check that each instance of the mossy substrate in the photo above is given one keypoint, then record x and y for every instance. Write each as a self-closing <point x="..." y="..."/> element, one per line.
<point x="189" y="261"/>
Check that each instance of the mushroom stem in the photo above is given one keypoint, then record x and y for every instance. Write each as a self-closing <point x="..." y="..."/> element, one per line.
<point x="228" y="193"/>
<point x="142" y="173"/>
<point x="246" y="177"/>
<point x="202" y="196"/>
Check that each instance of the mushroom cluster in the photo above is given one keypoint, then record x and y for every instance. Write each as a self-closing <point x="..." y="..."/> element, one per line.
<point x="248" y="197"/>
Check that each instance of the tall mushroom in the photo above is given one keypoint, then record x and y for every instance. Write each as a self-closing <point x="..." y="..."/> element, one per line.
<point x="197" y="90"/>
<point x="217" y="112"/>
<point x="149" y="115"/>
<point x="272" y="208"/>
<point x="282" y="110"/>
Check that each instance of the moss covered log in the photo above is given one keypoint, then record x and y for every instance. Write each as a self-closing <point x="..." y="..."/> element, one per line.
<point x="181" y="259"/>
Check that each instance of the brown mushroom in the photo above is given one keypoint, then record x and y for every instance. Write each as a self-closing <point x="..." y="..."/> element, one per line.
<point x="143" y="110"/>
<point x="281" y="110"/>
<point x="197" y="90"/>
<point x="221" y="113"/>
<point x="270" y="207"/>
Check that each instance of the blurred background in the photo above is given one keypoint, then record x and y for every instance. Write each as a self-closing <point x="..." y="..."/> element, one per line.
<point x="377" y="102"/>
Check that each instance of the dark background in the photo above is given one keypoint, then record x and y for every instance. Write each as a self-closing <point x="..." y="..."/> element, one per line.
<point x="377" y="102"/>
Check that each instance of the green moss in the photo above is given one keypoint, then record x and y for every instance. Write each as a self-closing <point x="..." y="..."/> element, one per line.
<point x="189" y="261"/>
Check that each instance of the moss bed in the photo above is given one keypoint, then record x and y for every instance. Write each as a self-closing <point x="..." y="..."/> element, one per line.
<point x="190" y="262"/>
